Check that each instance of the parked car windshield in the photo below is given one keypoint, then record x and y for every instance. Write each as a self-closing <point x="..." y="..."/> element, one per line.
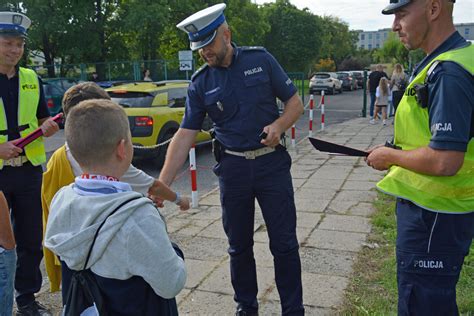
<point x="50" y="89"/>
<point x="132" y="99"/>
<point x="322" y="76"/>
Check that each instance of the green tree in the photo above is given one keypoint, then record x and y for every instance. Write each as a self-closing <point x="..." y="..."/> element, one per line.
<point x="392" y="51"/>
<point x="246" y="22"/>
<point x="295" y="35"/>
<point x="338" y="41"/>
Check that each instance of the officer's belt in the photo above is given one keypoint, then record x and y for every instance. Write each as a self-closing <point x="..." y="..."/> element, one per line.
<point x="15" y="162"/>
<point x="14" y="129"/>
<point x="251" y="154"/>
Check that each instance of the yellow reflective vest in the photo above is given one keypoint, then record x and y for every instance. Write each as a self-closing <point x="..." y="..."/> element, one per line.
<point x="447" y="194"/>
<point x="28" y="99"/>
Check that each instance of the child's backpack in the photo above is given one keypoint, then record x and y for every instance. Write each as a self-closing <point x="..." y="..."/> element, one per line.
<point x="84" y="297"/>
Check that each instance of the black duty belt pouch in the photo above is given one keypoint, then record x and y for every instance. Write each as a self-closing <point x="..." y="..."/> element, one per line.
<point x="217" y="149"/>
<point x="84" y="292"/>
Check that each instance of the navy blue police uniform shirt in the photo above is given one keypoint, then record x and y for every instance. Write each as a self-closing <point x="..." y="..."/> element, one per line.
<point x="451" y="99"/>
<point x="9" y="90"/>
<point x="240" y="99"/>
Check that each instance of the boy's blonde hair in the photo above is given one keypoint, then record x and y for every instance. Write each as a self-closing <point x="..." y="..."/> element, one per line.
<point x="93" y="130"/>
<point x="81" y="92"/>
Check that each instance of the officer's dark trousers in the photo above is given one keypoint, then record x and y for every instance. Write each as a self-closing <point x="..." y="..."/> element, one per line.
<point x="268" y="179"/>
<point x="22" y="188"/>
<point x="430" y="252"/>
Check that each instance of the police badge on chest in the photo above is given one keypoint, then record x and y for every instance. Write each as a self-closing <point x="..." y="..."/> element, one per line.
<point x="220" y="106"/>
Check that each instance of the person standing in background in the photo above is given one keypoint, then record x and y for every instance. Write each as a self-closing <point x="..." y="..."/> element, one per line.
<point x="22" y="110"/>
<point x="398" y="82"/>
<point x="372" y="84"/>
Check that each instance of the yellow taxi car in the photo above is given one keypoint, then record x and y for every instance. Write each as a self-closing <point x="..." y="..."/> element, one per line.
<point x="155" y="111"/>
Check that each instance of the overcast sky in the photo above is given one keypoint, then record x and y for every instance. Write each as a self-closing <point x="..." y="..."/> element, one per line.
<point x="365" y="14"/>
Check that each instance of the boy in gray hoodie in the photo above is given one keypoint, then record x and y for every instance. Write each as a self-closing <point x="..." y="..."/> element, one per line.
<point x="133" y="260"/>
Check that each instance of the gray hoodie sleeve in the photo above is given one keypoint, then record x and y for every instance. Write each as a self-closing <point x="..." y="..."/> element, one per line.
<point x="138" y="180"/>
<point x="158" y="263"/>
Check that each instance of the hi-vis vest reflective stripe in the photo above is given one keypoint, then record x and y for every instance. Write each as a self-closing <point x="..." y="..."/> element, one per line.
<point x="453" y="194"/>
<point x="28" y="99"/>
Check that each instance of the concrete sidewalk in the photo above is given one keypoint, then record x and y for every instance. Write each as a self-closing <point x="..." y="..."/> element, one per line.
<point x="333" y="197"/>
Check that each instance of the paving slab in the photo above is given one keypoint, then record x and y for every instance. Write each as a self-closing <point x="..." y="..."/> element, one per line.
<point x="202" y="248"/>
<point x="345" y="223"/>
<point x="358" y="185"/>
<point x="327" y="261"/>
<point x="320" y="290"/>
<point x="207" y="303"/>
<point x="307" y="220"/>
<point x="336" y="240"/>
<point x="311" y="205"/>
<point x="359" y="196"/>
<point x="198" y="270"/>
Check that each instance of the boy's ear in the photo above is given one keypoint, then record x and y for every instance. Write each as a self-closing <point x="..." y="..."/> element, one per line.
<point x="121" y="151"/>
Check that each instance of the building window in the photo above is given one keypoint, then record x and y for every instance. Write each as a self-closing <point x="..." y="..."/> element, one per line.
<point x="377" y="36"/>
<point x="384" y="35"/>
<point x="466" y="31"/>
<point x="370" y="46"/>
<point x="362" y="46"/>
<point x="370" y="36"/>
<point x="362" y="37"/>
<point x="377" y="46"/>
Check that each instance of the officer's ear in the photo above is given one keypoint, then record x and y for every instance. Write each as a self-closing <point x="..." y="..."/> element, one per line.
<point x="227" y="35"/>
<point x="434" y="9"/>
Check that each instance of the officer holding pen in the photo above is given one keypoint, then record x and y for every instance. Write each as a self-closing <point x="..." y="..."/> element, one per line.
<point x="432" y="175"/>
<point x="238" y="88"/>
<point x="22" y="110"/>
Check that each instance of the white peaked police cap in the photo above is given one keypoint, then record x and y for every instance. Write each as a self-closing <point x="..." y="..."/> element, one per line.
<point x="398" y="4"/>
<point x="14" y="24"/>
<point x="202" y="25"/>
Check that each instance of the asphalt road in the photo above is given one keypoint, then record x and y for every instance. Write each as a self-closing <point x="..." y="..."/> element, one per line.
<point x="338" y="108"/>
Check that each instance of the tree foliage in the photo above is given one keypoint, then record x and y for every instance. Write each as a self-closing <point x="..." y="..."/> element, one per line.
<point x="98" y="31"/>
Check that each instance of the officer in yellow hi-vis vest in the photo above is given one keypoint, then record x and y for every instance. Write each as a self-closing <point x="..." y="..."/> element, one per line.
<point x="22" y="110"/>
<point x="431" y="168"/>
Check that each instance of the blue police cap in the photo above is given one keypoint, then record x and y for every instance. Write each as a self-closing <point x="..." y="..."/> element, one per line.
<point x="14" y="24"/>
<point x="202" y="26"/>
<point x="397" y="4"/>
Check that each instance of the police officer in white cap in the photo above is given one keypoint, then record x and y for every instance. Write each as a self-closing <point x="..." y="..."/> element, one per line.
<point x="22" y="110"/>
<point x="432" y="174"/>
<point x="238" y="88"/>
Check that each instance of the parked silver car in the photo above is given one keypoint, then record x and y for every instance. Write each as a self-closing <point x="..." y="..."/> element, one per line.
<point x="326" y="81"/>
<point x="349" y="82"/>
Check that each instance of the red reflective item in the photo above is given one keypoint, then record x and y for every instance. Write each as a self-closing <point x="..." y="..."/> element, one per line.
<point x="22" y="142"/>
<point x="143" y="121"/>
<point x="50" y="103"/>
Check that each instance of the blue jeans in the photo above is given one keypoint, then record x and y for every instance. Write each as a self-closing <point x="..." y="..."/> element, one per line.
<point x="372" y="103"/>
<point x="7" y="276"/>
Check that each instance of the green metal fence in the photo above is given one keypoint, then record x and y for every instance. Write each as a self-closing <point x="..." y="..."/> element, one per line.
<point x="133" y="71"/>
<point x="116" y="71"/>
